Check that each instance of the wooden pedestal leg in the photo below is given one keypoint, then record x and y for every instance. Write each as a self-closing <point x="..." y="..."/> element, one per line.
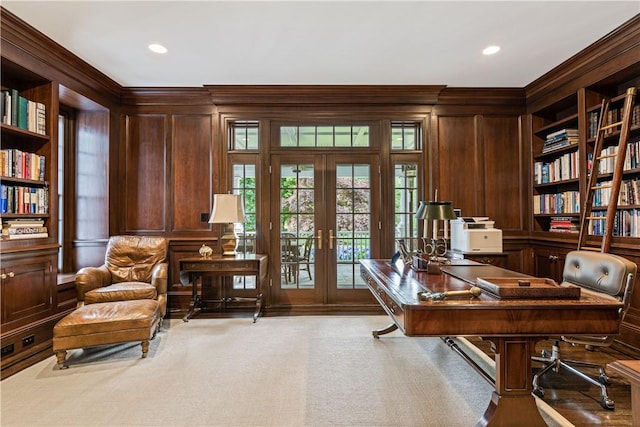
<point x="512" y="403"/>
<point x="145" y="348"/>
<point x="61" y="357"/>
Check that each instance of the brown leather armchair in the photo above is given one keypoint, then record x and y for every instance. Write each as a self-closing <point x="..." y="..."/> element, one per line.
<point x="134" y="269"/>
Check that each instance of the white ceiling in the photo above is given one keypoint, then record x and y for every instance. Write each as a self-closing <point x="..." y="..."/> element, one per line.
<point x="325" y="42"/>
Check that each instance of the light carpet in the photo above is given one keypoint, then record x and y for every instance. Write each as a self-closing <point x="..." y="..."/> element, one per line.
<point x="280" y="371"/>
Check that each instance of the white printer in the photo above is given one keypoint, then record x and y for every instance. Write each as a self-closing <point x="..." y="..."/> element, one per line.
<point x="475" y="234"/>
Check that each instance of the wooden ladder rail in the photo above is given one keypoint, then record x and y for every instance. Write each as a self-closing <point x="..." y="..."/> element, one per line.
<point x="620" y="154"/>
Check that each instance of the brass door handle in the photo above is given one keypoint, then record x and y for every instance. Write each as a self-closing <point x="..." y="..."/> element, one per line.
<point x="319" y="238"/>
<point x="331" y="238"/>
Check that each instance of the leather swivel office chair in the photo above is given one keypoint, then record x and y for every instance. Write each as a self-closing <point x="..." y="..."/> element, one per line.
<point x="595" y="272"/>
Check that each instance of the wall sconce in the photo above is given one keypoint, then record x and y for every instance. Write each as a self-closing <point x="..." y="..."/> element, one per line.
<point x="435" y="211"/>
<point x="228" y="210"/>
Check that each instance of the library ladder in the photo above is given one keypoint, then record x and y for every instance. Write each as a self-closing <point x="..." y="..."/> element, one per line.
<point x="605" y="128"/>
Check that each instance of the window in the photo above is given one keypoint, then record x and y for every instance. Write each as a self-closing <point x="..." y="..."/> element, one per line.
<point x="406" y="135"/>
<point x="244" y="184"/>
<point x="406" y="203"/>
<point x="244" y="135"/>
<point x="324" y="136"/>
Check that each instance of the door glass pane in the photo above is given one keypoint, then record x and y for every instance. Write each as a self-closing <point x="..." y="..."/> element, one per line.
<point x="244" y="184"/>
<point x="353" y="223"/>
<point x="297" y="226"/>
<point x="406" y="204"/>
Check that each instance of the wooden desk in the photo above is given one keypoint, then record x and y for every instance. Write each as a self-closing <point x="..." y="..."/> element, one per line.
<point x="192" y="269"/>
<point x="630" y="370"/>
<point x="512" y="326"/>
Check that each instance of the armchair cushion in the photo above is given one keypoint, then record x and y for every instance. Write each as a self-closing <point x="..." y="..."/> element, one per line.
<point x="122" y="291"/>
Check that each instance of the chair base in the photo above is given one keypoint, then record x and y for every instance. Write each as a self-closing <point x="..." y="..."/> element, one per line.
<point x="553" y="362"/>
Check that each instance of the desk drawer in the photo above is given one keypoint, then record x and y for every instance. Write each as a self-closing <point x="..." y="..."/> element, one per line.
<point x="388" y="304"/>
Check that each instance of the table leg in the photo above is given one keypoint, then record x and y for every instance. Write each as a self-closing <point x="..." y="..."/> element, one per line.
<point x="258" y="307"/>
<point x="512" y="403"/>
<point x="196" y="300"/>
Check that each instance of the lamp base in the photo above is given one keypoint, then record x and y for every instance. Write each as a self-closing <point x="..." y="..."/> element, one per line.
<point x="228" y="241"/>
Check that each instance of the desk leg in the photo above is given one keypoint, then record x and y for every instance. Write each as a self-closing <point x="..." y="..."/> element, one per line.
<point x="392" y="327"/>
<point x="512" y="403"/>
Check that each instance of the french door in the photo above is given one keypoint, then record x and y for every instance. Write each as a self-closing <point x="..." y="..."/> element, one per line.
<point x="324" y="220"/>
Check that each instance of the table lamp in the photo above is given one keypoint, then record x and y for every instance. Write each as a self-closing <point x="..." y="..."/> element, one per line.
<point x="228" y="210"/>
<point x="435" y="211"/>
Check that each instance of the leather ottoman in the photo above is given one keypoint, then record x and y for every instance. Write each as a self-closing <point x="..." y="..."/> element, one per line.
<point x="106" y="323"/>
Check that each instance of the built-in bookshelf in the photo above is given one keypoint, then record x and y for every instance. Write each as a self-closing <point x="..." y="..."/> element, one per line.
<point x="26" y="156"/>
<point x="556" y="163"/>
<point x="560" y="170"/>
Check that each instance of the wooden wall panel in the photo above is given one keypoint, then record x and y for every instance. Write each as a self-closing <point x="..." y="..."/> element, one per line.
<point x="145" y="166"/>
<point x="503" y="190"/>
<point x="192" y="159"/>
<point x="454" y="163"/>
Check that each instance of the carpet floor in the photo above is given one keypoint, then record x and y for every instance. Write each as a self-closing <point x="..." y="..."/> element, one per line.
<point x="281" y="371"/>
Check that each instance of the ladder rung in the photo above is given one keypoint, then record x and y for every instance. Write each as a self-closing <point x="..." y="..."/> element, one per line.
<point x="612" y="125"/>
<point x="606" y="156"/>
<point x="601" y="186"/>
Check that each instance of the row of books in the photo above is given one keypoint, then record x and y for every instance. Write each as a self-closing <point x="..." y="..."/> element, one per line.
<point x="17" y="199"/>
<point x="559" y="203"/>
<point x="629" y="194"/>
<point x="24" y="229"/>
<point x="613" y="115"/>
<point x="631" y="160"/>
<point x="626" y="223"/>
<point x="15" y="163"/>
<point x="18" y="111"/>
<point x="564" y="224"/>
<point x="559" y="139"/>
<point x="562" y="168"/>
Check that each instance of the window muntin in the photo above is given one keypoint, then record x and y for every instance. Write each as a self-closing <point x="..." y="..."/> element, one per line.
<point x="325" y="136"/>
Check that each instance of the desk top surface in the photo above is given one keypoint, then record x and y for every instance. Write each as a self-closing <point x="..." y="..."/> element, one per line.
<point x="405" y="284"/>
<point x="486" y="314"/>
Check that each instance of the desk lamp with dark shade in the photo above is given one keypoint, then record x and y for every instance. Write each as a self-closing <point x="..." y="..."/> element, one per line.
<point x="436" y="248"/>
<point x="227" y="210"/>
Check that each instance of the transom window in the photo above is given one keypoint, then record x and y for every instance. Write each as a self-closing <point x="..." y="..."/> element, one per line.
<point x="324" y="136"/>
<point x="243" y="135"/>
<point x="406" y="135"/>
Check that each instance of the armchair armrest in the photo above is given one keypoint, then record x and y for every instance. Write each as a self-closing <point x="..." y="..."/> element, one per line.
<point x="90" y="278"/>
<point x="159" y="279"/>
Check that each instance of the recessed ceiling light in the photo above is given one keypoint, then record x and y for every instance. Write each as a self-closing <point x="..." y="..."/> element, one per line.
<point x="157" y="48"/>
<point x="491" y="50"/>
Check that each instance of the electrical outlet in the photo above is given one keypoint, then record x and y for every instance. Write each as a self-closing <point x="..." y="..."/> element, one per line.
<point x="28" y="340"/>
<point x="7" y="349"/>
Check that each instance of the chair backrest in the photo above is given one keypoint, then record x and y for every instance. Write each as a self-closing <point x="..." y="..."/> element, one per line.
<point x="132" y="258"/>
<point x="601" y="272"/>
<point x="308" y="244"/>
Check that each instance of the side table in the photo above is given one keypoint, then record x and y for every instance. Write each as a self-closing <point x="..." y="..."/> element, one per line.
<point x="194" y="268"/>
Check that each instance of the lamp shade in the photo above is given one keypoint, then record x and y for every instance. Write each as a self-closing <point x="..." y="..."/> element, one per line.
<point x="227" y="208"/>
<point x="435" y="210"/>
